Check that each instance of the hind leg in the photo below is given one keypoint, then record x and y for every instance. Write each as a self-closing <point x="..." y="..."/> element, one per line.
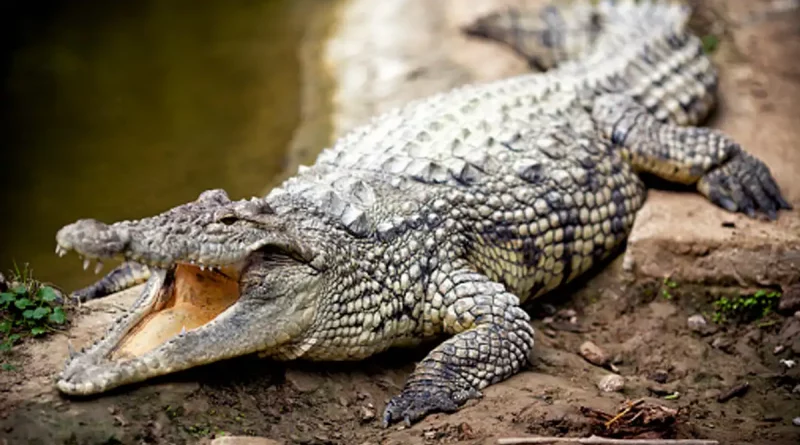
<point x="720" y="169"/>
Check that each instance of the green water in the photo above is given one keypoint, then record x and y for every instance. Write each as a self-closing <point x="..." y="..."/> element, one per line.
<point x="119" y="110"/>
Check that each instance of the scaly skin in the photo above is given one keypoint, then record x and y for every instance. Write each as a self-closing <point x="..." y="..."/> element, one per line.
<point x="436" y="219"/>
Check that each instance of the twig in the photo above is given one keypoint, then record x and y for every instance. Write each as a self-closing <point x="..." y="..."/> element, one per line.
<point x="623" y="412"/>
<point x="596" y="440"/>
<point x="735" y="391"/>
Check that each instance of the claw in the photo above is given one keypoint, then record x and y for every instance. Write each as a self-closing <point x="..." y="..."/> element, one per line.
<point x="86" y="263"/>
<point x="98" y="267"/>
<point x="71" y="349"/>
<point x="728" y="204"/>
<point x="772" y="214"/>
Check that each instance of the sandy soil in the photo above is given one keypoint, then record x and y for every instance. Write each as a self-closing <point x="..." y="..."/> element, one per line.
<point x="643" y="333"/>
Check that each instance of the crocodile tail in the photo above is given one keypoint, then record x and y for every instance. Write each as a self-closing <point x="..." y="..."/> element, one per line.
<point x="640" y="48"/>
<point x="564" y="31"/>
<point x="546" y="37"/>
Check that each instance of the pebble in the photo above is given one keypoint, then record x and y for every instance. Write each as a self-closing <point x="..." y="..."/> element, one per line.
<point x="628" y="263"/>
<point x="660" y="376"/>
<point x="593" y="354"/>
<point x="796" y="421"/>
<point x="304" y="382"/>
<point x="797" y="315"/>
<point x="611" y="383"/>
<point x="790" y="299"/>
<point x="737" y="390"/>
<point x="796" y="389"/>
<point x="567" y="313"/>
<point x="243" y="440"/>
<point x="698" y="323"/>
<point x="722" y="343"/>
<point x="367" y="413"/>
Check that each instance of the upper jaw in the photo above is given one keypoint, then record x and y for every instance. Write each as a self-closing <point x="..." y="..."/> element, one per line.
<point x="93" y="239"/>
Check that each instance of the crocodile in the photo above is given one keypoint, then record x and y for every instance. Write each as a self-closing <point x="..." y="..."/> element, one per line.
<point x="435" y="221"/>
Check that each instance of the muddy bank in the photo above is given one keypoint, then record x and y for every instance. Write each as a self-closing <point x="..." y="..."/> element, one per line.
<point x="381" y="56"/>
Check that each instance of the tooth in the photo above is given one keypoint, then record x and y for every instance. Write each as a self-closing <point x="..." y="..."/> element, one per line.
<point x="183" y="330"/>
<point x="86" y="263"/>
<point x="98" y="267"/>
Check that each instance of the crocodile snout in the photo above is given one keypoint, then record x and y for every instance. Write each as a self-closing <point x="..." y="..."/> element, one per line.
<point x="92" y="238"/>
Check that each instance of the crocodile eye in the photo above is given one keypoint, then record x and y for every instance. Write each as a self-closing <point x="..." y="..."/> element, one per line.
<point x="228" y="220"/>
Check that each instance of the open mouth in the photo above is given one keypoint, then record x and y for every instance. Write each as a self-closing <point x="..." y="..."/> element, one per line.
<point x="189" y="298"/>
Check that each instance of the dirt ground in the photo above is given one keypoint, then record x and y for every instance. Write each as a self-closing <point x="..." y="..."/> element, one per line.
<point x="638" y="320"/>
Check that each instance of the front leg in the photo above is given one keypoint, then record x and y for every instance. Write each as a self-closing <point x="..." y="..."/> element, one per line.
<point x="720" y="169"/>
<point x="493" y="337"/>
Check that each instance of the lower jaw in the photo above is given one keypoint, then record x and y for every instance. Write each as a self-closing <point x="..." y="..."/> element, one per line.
<point x="191" y="299"/>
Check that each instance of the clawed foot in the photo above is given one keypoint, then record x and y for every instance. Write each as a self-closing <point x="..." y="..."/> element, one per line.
<point x="744" y="184"/>
<point x="414" y="403"/>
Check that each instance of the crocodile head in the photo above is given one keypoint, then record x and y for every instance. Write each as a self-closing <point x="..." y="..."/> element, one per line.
<point x="229" y="278"/>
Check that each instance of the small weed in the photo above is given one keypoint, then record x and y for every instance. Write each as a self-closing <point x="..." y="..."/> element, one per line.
<point x="667" y="285"/>
<point x="746" y="307"/>
<point x="710" y="43"/>
<point x="173" y="412"/>
<point x="28" y="308"/>
<point x="198" y="430"/>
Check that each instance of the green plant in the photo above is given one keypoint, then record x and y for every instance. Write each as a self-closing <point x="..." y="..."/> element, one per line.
<point x="28" y="308"/>
<point x="667" y="285"/>
<point x="710" y="43"/>
<point x="198" y="430"/>
<point x="746" y="307"/>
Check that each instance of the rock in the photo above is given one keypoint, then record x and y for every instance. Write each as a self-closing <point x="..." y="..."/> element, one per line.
<point x="797" y="315"/>
<point x="611" y="383"/>
<point x="244" y="440"/>
<point x="367" y="413"/>
<point x="796" y="346"/>
<point x="737" y="390"/>
<point x="790" y="298"/>
<point x="593" y="354"/>
<point x="303" y="381"/>
<point x="662" y="390"/>
<point x="723" y="344"/>
<point x="659" y="376"/>
<point x="796" y="389"/>
<point x="796" y="421"/>
<point x="567" y="314"/>
<point x="698" y="323"/>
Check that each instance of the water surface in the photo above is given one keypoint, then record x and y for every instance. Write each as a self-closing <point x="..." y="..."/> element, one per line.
<point x="119" y="110"/>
